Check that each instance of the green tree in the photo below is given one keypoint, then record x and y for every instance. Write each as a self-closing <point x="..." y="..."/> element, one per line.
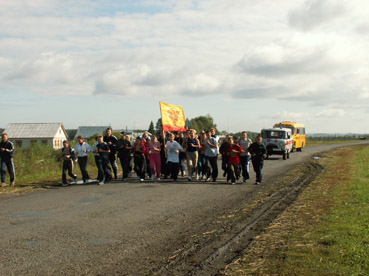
<point x="203" y="123"/>
<point x="151" y="128"/>
<point x="158" y="125"/>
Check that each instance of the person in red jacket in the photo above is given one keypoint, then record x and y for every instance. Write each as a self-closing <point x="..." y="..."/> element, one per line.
<point x="233" y="152"/>
<point x="139" y="153"/>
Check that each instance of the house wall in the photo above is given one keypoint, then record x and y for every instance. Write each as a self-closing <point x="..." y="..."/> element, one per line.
<point x="26" y="142"/>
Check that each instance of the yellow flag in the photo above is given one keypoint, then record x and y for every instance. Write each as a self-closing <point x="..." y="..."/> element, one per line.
<point x="172" y="117"/>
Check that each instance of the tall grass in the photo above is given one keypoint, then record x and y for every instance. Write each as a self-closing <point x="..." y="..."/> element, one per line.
<point x="40" y="164"/>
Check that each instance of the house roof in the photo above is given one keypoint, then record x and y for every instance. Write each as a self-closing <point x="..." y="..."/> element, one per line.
<point x="34" y="130"/>
<point x="71" y="133"/>
<point x="89" y="131"/>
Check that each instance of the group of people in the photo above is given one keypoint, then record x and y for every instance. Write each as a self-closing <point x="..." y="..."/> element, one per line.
<point x="164" y="155"/>
<point x="157" y="156"/>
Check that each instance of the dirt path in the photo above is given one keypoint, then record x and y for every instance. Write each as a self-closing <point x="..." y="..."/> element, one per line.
<point x="143" y="228"/>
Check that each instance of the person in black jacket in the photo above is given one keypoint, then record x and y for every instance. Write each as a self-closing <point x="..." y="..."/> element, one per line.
<point x="258" y="153"/>
<point x="124" y="149"/>
<point x="104" y="157"/>
<point x="223" y="151"/>
<point x="68" y="157"/>
<point x="111" y="140"/>
<point x="7" y="162"/>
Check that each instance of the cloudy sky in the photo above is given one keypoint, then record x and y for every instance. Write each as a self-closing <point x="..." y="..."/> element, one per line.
<point x="247" y="63"/>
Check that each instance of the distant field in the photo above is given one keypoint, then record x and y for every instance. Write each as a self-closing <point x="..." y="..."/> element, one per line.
<point x="314" y="142"/>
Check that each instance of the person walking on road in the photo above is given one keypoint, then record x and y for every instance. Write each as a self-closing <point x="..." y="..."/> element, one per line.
<point x="139" y="152"/>
<point x="233" y="152"/>
<point x="111" y="140"/>
<point x="191" y="147"/>
<point x="81" y="150"/>
<point x="223" y="151"/>
<point x="245" y="143"/>
<point x="7" y="160"/>
<point x="103" y="149"/>
<point x="173" y="149"/>
<point x="155" y="162"/>
<point x="258" y="153"/>
<point x="124" y="147"/>
<point x="211" y="154"/>
<point x="68" y="163"/>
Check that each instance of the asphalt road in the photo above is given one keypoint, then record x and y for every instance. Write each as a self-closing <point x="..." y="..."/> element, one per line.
<point x="119" y="228"/>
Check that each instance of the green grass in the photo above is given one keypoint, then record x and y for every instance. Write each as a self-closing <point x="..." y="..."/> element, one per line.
<point x="41" y="166"/>
<point x="325" y="232"/>
<point x="316" y="142"/>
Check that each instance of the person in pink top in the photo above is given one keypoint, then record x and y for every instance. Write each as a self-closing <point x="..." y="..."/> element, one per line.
<point x="155" y="161"/>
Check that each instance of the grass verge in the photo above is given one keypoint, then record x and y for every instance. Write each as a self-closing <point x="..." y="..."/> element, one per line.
<point x="325" y="231"/>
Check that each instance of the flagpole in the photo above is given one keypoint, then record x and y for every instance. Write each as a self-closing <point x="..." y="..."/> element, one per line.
<point x="162" y="128"/>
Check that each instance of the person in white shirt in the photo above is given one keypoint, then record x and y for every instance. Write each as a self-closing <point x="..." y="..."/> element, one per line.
<point x="173" y="149"/>
<point x="81" y="150"/>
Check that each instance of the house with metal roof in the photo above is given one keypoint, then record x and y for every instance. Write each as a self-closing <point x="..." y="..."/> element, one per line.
<point x="89" y="131"/>
<point x="24" y="135"/>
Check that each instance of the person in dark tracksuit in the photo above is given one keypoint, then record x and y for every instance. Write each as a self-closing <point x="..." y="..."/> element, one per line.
<point x="111" y="140"/>
<point x="103" y="160"/>
<point x="124" y="148"/>
<point x="7" y="162"/>
<point x="68" y="157"/>
<point x="81" y="150"/>
<point x="223" y="151"/>
<point x="258" y="153"/>
<point x="139" y="153"/>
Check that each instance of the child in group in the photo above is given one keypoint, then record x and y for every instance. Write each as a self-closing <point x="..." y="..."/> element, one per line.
<point x="68" y="157"/>
<point x="211" y="154"/>
<point x="103" y="160"/>
<point x="173" y="149"/>
<point x="139" y="152"/>
<point x="155" y="161"/>
<point x="233" y="152"/>
<point x="258" y="153"/>
<point x="245" y="155"/>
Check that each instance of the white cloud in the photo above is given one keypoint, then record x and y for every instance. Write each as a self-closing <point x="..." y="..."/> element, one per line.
<point x="330" y="113"/>
<point x="315" y="12"/>
<point x="245" y="50"/>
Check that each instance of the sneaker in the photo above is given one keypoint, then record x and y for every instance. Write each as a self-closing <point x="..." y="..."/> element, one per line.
<point x="197" y="177"/>
<point x="12" y="184"/>
<point x="64" y="185"/>
<point x="3" y="184"/>
<point x="207" y="179"/>
<point x="100" y="183"/>
<point x="257" y="183"/>
<point x="142" y="180"/>
<point x="189" y="178"/>
<point x="233" y="183"/>
<point x="158" y="179"/>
